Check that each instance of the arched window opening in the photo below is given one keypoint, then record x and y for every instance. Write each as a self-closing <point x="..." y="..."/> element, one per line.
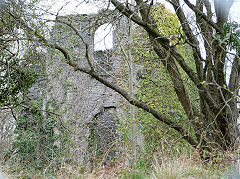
<point x="103" y="38"/>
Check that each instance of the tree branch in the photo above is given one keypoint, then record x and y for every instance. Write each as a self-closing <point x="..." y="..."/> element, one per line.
<point x="132" y="15"/>
<point x="143" y="106"/>
<point x="190" y="36"/>
<point x="82" y="39"/>
<point x="235" y="76"/>
<point x="128" y="97"/>
<point x="209" y="21"/>
<point x="119" y="90"/>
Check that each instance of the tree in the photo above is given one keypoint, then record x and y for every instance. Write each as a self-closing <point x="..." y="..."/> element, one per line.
<point x="218" y="108"/>
<point x="215" y="120"/>
<point x="21" y="67"/>
<point x="156" y="88"/>
<point x="17" y="74"/>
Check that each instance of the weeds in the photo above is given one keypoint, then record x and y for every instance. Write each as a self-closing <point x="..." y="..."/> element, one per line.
<point x="164" y="167"/>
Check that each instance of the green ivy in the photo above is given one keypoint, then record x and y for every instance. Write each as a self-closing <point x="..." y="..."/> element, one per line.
<point x="231" y="35"/>
<point x="37" y="145"/>
<point x="156" y="87"/>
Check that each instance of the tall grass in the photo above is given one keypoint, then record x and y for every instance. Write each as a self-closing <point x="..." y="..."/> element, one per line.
<point x="185" y="168"/>
<point x="162" y="167"/>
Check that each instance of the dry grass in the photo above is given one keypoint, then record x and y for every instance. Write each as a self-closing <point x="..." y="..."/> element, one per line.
<point x="111" y="170"/>
<point x="185" y="168"/>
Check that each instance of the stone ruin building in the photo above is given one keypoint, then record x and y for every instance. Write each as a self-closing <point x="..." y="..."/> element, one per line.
<point x="86" y="105"/>
<point x="86" y="102"/>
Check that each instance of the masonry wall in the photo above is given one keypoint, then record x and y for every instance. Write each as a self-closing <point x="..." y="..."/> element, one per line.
<point x="83" y="104"/>
<point x="79" y="97"/>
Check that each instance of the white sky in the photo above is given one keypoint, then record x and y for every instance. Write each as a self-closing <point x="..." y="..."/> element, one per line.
<point x="103" y="37"/>
<point x="234" y="13"/>
<point x="73" y="6"/>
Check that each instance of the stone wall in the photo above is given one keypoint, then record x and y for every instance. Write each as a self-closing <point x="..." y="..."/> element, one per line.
<point x="82" y="103"/>
<point x="78" y="97"/>
<point x="6" y="131"/>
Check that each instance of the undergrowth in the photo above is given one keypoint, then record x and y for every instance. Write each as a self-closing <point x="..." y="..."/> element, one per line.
<point x="164" y="167"/>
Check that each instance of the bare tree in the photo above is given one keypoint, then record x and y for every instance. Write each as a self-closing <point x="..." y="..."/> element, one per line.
<point x="218" y="111"/>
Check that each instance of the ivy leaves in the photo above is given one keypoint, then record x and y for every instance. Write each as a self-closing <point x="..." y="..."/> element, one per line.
<point x="231" y="35"/>
<point x="13" y="82"/>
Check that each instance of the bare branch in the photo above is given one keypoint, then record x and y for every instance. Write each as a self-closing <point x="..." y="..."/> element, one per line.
<point x="191" y="37"/>
<point x="114" y="87"/>
<point x="82" y="39"/>
<point x="206" y="18"/>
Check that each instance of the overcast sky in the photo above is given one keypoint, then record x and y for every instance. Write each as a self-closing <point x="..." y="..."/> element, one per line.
<point x="65" y="7"/>
<point x="80" y="7"/>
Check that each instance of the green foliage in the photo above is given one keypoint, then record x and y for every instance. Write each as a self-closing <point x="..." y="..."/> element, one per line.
<point x="16" y="57"/>
<point x="140" y="171"/>
<point x="232" y="35"/>
<point x="41" y="142"/>
<point x="132" y="175"/>
<point x="33" y="136"/>
<point x="15" y="82"/>
<point x="156" y="88"/>
<point x="167" y="21"/>
<point x="37" y="145"/>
